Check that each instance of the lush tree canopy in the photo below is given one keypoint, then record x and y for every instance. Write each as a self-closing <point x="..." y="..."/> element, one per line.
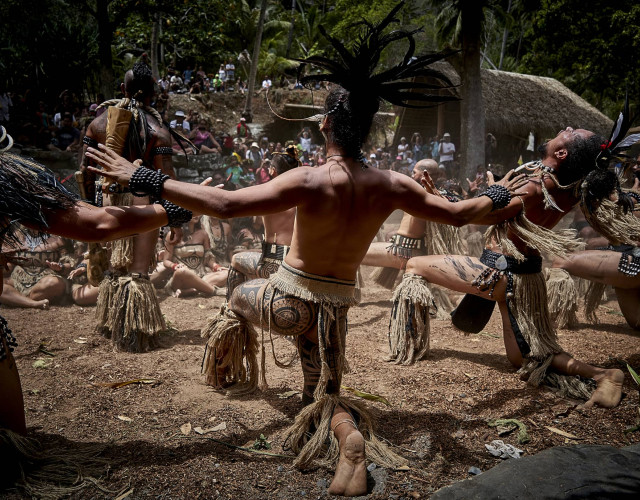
<point x="85" y="45"/>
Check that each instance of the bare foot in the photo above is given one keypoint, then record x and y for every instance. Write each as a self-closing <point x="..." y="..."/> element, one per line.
<point x="42" y="304"/>
<point x="350" y="478"/>
<point x="609" y="390"/>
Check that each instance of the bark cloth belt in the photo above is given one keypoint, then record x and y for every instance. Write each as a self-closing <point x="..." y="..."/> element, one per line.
<point x="274" y="251"/>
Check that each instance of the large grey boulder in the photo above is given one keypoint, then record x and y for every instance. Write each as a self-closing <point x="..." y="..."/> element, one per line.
<point x="561" y="473"/>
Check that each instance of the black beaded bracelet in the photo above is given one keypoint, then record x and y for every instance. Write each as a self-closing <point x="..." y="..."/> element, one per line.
<point x="147" y="182"/>
<point x="499" y="195"/>
<point x="177" y="215"/>
<point x="634" y="195"/>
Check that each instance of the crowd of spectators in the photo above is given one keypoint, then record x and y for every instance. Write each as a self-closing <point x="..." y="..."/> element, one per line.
<point x="241" y="157"/>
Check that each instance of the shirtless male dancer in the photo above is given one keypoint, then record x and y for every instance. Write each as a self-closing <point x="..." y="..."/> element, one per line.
<point x="340" y="207"/>
<point x="408" y="241"/>
<point x="278" y="230"/>
<point x="509" y="271"/>
<point x="414" y="237"/>
<point x="150" y="142"/>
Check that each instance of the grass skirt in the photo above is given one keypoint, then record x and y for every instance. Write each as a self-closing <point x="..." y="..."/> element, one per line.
<point x="47" y="474"/>
<point x="128" y="312"/>
<point x="530" y="310"/>
<point x="563" y="298"/>
<point x="409" y="325"/>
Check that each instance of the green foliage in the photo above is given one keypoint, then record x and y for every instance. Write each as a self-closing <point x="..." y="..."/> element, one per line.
<point x="343" y="20"/>
<point x="52" y="45"/>
<point x="587" y="46"/>
<point x="46" y="47"/>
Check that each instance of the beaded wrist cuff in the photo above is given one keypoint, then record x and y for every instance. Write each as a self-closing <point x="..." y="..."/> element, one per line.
<point x="147" y="182"/>
<point x="499" y="195"/>
<point x="177" y="215"/>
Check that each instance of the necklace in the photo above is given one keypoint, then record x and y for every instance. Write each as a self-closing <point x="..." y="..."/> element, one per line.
<point x="333" y="156"/>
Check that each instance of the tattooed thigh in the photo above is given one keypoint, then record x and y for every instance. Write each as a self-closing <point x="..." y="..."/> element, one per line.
<point x="234" y="279"/>
<point x="246" y="263"/>
<point x="287" y="314"/>
<point x="266" y="268"/>
<point x="245" y="299"/>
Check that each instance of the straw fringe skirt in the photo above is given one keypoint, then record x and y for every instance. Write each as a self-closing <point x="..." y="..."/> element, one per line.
<point x="231" y="359"/>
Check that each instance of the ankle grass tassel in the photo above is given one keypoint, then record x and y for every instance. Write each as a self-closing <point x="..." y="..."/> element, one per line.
<point x="410" y="320"/>
<point x="231" y="354"/>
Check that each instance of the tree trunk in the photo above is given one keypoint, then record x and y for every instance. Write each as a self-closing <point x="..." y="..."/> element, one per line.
<point x="248" y="112"/>
<point x="290" y="38"/>
<point x="472" y="129"/>
<point x="105" y="37"/>
<point x="155" y="34"/>
<point x="505" y="35"/>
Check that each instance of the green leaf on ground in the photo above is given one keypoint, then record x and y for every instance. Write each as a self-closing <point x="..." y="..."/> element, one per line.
<point x="634" y="374"/>
<point x="523" y="435"/>
<point x="366" y="395"/>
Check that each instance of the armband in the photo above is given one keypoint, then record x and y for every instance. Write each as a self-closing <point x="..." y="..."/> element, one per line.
<point x="499" y="195"/>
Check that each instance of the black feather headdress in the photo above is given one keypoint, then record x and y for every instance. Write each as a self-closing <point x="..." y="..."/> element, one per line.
<point x="620" y="148"/>
<point x="355" y="70"/>
<point x="26" y="190"/>
<point x="617" y="148"/>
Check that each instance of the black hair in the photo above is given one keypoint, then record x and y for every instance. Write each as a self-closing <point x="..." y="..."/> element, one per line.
<point x="581" y="158"/>
<point x="141" y="82"/>
<point x="283" y="163"/>
<point x="350" y="118"/>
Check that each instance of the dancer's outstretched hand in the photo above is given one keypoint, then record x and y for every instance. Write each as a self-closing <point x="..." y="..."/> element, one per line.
<point x="513" y="184"/>
<point x="115" y="167"/>
<point x="429" y="185"/>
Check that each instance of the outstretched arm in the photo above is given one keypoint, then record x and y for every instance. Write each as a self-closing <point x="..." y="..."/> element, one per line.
<point x="427" y="204"/>
<point x="85" y="222"/>
<point x="285" y="191"/>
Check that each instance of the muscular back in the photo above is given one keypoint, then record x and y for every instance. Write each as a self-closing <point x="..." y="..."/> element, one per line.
<point x="158" y="136"/>
<point x="340" y="217"/>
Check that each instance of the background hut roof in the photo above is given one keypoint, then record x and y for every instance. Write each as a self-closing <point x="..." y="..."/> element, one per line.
<point x="517" y="103"/>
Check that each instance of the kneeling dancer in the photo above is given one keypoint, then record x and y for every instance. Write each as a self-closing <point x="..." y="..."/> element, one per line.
<point x="340" y="207"/>
<point x="572" y="169"/>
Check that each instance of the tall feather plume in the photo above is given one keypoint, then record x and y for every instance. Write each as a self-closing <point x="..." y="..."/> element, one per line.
<point x="355" y="71"/>
<point x="619" y="148"/>
<point x="616" y="149"/>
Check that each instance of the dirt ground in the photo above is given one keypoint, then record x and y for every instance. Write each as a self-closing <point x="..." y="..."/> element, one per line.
<point x="437" y="416"/>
